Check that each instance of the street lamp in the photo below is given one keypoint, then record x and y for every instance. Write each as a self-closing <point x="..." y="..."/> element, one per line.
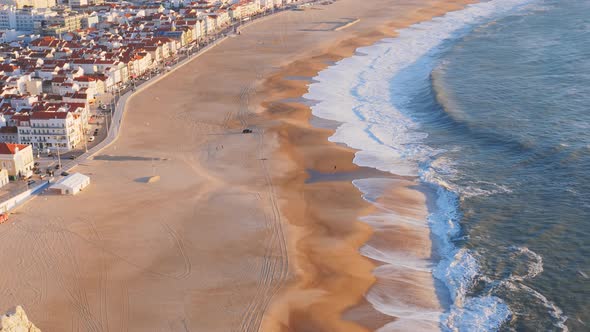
<point x="83" y="129"/>
<point x="58" y="156"/>
<point x="107" y="118"/>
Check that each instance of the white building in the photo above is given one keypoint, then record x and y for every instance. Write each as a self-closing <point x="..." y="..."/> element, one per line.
<point x="19" y="82"/>
<point x="90" y="21"/>
<point x="23" y="101"/>
<point x="34" y="86"/>
<point x="23" y="19"/>
<point x="269" y="4"/>
<point x="3" y="177"/>
<point x="29" y="3"/>
<point x="17" y="159"/>
<point x="71" y="184"/>
<point x="53" y="130"/>
<point x="88" y="83"/>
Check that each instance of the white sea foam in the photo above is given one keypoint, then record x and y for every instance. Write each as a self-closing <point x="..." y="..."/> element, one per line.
<point x="535" y="261"/>
<point x="484" y="313"/>
<point x="442" y="173"/>
<point x="553" y="310"/>
<point x="354" y="92"/>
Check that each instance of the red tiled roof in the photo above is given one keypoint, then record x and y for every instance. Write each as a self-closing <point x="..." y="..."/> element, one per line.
<point x="9" y="148"/>
<point x="48" y="115"/>
<point x="84" y="79"/>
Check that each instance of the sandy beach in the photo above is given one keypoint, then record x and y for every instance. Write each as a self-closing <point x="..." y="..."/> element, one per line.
<point x="232" y="237"/>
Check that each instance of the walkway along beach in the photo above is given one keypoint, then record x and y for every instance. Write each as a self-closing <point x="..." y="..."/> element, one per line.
<point x="231" y="238"/>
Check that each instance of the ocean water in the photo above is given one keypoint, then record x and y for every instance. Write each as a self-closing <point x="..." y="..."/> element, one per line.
<point x="489" y="107"/>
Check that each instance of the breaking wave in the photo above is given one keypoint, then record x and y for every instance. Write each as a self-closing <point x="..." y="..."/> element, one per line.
<point x="376" y="120"/>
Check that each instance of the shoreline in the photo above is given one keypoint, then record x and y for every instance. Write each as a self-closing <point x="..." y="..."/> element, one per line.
<point x="127" y="255"/>
<point x="324" y="304"/>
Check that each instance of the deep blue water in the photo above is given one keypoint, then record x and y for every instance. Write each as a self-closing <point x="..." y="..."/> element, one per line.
<point x="509" y="104"/>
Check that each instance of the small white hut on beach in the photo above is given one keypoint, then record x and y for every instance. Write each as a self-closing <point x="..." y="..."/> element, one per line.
<point x="71" y="184"/>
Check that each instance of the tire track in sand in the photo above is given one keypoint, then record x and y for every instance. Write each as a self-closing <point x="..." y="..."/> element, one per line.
<point x="180" y="246"/>
<point x="275" y="265"/>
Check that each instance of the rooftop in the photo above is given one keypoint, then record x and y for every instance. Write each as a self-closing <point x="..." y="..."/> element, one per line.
<point x="9" y="148"/>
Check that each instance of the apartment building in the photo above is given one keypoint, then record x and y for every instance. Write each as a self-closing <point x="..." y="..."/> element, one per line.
<point x="25" y="19"/>
<point x="56" y="128"/>
<point x="62" y="23"/>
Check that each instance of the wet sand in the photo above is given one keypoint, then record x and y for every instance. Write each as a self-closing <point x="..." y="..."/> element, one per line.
<point x="231" y="238"/>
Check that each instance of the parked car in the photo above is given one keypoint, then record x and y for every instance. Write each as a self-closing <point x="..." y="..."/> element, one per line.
<point x="36" y="164"/>
<point x="3" y="217"/>
<point x="37" y="171"/>
<point x="30" y="182"/>
<point x="57" y="166"/>
<point x="72" y="157"/>
<point x="103" y="107"/>
<point x="91" y="138"/>
<point x="65" y="173"/>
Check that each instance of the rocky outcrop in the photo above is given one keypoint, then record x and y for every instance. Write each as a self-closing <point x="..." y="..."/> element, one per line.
<point x="17" y="321"/>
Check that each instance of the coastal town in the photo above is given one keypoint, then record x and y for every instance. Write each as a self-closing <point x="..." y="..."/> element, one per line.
<point x="294" y="165"/>
<point x="64" y="66"/>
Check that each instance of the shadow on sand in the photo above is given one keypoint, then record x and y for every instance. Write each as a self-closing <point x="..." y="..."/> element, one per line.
<point x="148" y="179"/>
<point x="124" y="158"/>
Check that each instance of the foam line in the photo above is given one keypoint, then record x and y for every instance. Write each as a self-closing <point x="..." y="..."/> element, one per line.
<point x="377" y="122"/>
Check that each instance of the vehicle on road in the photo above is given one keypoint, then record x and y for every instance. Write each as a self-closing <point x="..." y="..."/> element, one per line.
<point x="72" y="157"/>
<point x="30" y="182"/>
<point x="65" y="173"/>
<point x="57" y="166"/>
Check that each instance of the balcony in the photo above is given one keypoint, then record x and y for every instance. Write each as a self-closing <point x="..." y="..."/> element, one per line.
<point x="48" y="134"/>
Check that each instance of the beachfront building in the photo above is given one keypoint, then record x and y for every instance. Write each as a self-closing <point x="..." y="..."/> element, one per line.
<point x="52" y="130"/>
<point x="17" y="159"/>
<point x="71" y="184"/>
<point x="244" y="9"/>
<point x="270" y="4"/>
